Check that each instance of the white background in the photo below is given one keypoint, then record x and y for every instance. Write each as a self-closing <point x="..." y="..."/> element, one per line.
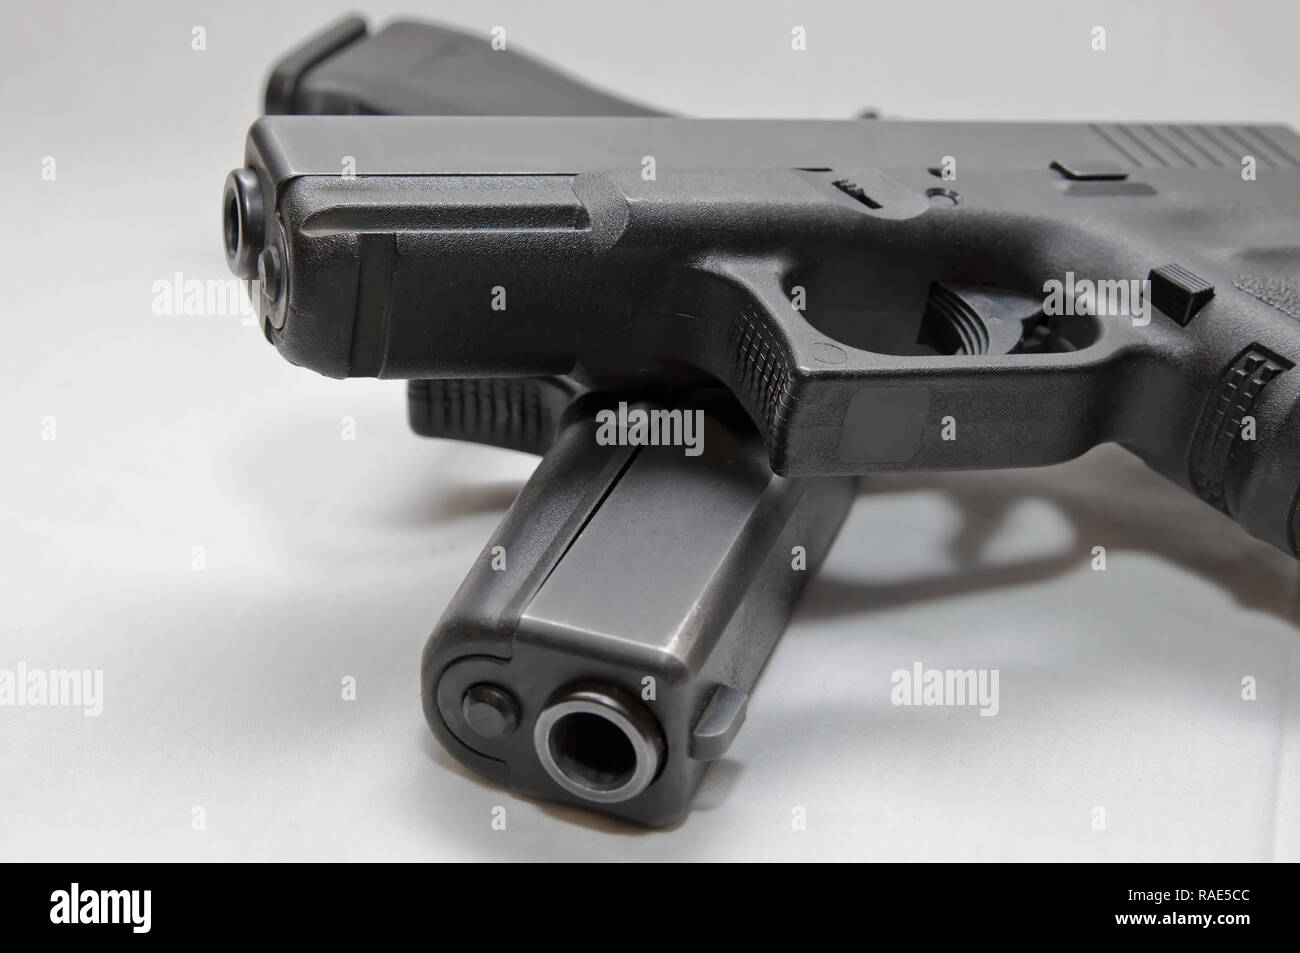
<point x="328" y="558"/>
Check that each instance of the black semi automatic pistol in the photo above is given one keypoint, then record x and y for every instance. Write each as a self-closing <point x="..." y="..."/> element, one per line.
<point x="825" y="299"/>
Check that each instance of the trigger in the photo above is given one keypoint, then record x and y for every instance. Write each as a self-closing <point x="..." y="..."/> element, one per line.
<point x="971" y="320"/>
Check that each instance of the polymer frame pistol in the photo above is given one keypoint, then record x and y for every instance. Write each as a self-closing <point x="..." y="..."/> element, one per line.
<point x="833" y="298"/>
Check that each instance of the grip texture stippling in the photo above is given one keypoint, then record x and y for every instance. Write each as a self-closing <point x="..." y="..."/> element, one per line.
<point x="520" y="413"/>
<point x="1221" y="422"/>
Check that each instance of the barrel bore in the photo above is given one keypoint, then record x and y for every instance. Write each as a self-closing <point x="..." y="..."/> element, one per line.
<point x="598" y="745"/>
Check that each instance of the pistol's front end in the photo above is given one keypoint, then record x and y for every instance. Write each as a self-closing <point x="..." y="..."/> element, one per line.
<point x="603" y="648"/>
